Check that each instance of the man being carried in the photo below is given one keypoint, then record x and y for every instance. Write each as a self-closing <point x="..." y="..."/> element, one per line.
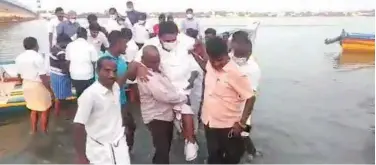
<point x="178" y="66"/>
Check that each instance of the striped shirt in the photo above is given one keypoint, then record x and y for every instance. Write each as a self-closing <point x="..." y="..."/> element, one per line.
<point x="58" y="64"/>
<point x="158" y="97"/>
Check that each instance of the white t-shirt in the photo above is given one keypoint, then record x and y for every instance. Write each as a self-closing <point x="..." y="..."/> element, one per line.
<point x="98" y="41"/>
<point x="81" y="55"/>
<point x="30" y="65"/>
<point x="99" y="110"/>
<point x="140" y="33"/>
<point x="51" y="28"/>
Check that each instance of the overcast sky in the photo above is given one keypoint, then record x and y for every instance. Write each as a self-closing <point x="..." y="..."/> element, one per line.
<point x="207" y="5"/>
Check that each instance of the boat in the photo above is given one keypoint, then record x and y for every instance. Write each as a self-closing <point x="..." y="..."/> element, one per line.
<point x="355" y="42"/>
<point x="251" y="29"/>
<point x="11" y="93"/>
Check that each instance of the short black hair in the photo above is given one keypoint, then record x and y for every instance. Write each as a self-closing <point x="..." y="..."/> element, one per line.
<point x="143" y="15"/>
<point x="129" y="3"/>
<point x="100" y="62"/>
<point x="168" y="27"/>
<point x="112" y="8"/>
<point x="30" y="43"/>
<point x="59" y="9"/>
<point x="95" y="27"/>
<point x="92" y="17"/>
<point x="216" y="47"/>
<point x="81" y="32"/>
<point x="126" y="33"/>
<point x="114" y="37"/>
<point x="189" y="10"/>
<point x="241" y="37"/>
<point x="162" y="16"/>
<point x="211" y="31"/>
<point x="170" y="17"/>
<point x="63" y="38"/>
<point x="192" y="33"/>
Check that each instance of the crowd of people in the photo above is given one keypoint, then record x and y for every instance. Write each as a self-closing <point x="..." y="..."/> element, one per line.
<point x="180" y="79"/>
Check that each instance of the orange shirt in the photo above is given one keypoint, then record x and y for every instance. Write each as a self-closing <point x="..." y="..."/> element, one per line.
<point x="225" y="91"/>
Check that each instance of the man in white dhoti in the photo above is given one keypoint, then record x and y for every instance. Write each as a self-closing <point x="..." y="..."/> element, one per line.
<point x="98" y="125"/>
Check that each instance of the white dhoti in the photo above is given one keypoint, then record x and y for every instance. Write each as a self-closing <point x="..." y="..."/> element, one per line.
<point x="107" y="153"/>
<point x="182" y="109"/>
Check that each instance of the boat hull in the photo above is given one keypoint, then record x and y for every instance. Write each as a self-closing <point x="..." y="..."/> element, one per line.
<point x="359" y="43"/>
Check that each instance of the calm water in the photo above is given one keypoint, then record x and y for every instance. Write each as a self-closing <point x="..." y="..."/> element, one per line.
<point x="309" y="111"/>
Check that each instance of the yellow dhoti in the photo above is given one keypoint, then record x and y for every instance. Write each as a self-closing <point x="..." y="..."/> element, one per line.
<point x="36" y="96"/>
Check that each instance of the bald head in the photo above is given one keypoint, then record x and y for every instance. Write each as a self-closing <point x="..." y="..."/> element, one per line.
<point x="150" y="57"/>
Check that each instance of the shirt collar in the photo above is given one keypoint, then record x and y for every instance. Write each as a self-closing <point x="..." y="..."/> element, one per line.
<point x="229" y="66"/>
<point x="102" y="89"/>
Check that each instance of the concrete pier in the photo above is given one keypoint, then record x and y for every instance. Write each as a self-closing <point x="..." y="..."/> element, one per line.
<point x="12" y="11"/>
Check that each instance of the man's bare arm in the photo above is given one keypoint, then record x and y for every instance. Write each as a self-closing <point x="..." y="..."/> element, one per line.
<point x="248" y="108"/>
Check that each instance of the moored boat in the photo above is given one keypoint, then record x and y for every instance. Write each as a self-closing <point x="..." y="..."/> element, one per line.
<point x="355" y="42"/>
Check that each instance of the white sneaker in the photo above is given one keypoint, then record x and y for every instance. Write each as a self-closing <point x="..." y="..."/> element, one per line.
<point x="190" y="150"/>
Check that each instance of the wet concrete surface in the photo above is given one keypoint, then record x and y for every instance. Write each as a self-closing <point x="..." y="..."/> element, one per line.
<point x="293" y="143"/>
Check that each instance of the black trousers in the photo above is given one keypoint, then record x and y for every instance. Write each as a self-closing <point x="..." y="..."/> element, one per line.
<point x="81" y="85"/>
<point x="221" y="148"/>
<point x="161" y="132"/>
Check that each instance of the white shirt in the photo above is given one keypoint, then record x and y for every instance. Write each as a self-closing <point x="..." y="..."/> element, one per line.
<point x="131" y="51"/>
<point x="98" y="41"/>
<point x="140" y="33"/>
<point x="113" y="25"/>
<point x="51" y="28"/>
<point x="130" y="54"/>
<point x="99" y="110"/>
<point x="30" y="65"/>
<point x="177" y="64"/>
<point x="81" y="55"/>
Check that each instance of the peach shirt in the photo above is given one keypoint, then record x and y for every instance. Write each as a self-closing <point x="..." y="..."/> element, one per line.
<point x="225" y="91"/>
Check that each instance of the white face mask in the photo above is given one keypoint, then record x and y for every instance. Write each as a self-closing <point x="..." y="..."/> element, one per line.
<point x="141" y="22"/>
<point x="170" y="45"/>
<point x="113" y="16"/>
<point x="240" y="60"/>
<point x="72" y="20"/>
<point x="129" y="9"/>
<point x="189" y="15"/>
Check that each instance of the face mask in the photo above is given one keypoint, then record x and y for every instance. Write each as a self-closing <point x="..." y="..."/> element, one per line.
<point x="72" y="20"/>
<point x="121" y="23"/>
<point x="169" y="45"/>
<point x="141" y="22"/>
<point x="189" y="15"/>
<point x="240" y="60"/>
<point x="129" y="9"/>
<point x="113" y="16"/>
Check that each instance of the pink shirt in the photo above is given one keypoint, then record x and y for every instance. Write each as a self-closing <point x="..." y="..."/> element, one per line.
<point x="225" y="91"/>
<point x="158" y="98"/>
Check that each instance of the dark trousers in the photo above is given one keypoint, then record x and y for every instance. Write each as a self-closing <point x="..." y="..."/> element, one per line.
<point x="81" y="85"/>
<point x="140" y="45"/>
<point x="249" y="146"/>
<point x="221" y="148"/>
<point x="130" y="125"/>
<point x="161" y="132"/>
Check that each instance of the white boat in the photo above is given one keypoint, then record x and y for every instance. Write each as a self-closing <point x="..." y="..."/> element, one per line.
<point x="251" y="29"/>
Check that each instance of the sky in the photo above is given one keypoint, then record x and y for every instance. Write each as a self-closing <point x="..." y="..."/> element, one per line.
<point x="206" y="5"/>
